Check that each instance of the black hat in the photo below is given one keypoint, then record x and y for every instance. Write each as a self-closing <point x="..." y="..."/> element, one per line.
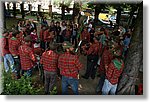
<point x="52" y="46"/>
<point x="28" y="38"/>
<point x="97" y="38"/>
<point x="15" y="32"/>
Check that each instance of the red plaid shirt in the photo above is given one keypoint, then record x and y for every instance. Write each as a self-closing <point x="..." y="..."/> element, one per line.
<point x="47" y="36"/>
<point x="113" y="74"/>
<point x="20" y="36"/>
<point x="69" y="65"/>
<point x="105" y="59"/>
<point x="27" y="57"/>
<point x="94" y="49"/>
<point x="68" y="34"/>
<point x="85" y="36"/>
<point x="49" y="60"/>
<point x="5" y="47"/>
<point x="42" y="35"/>
<point x="10" y="35"/>
<point x="14" y="44"/>
<point x="38" y="51"/>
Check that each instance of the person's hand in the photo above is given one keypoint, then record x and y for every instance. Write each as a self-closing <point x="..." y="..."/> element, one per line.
<point x="78" y="76"/>
<point x="106" y="67"/>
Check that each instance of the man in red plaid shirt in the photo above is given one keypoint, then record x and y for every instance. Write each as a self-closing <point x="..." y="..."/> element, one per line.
<point x="113" y="72"/>
<point x="27" y="57"/>
<point x="92" y="58"/>
<point x="49" y="60"/>
<point x="106" y="58"/>
<point x="42" y="44"/>
<point x="69" y="66"/>
<point x="6" y="53"/>
<point x="14" y="44"/>
<point x="46" y="37"/>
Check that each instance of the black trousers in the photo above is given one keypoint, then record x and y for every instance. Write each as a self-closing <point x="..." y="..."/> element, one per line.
<point x="74" y="41"/>
<point x="42" y="44"/>
<point x="17" y="66"/>
<point x="91" y="66"/>
<point x="101" y="82"/>
<point x="60" y="39"/>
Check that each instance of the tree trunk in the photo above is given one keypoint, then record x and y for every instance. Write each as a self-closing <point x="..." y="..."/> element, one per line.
<point x="134" y="60"/>
<point x="4" y="16"/>
<point x="50" y="10"/>
<point x="76" y="10"/>
<point x="118" y="14"/>
<point x="63" y="12"/>
<point x="22" y="10"/>
<point x="96" y="14"/>
<point x="39" y="10"/>
<point x="8" y="8"/>
<point x="14" y="9"/>
<point x="30" y="8"/>
<point x="134" y="8"/>
<point x="97" y="11"/>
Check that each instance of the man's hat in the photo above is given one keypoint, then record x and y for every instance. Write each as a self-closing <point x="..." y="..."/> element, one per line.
<point x="67" y="45"/>
<point x="52" y="46"/>
<point x="28" y="38"/>
<point x="97" y="38"/>
<point x="117" y="52"/>
<point x="15" y="32"/>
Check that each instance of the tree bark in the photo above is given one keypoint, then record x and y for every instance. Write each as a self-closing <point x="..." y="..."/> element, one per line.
<point x="118" y="14"/>
<point x="14" y="9"/>
<point x="133" y="9"/>
<point x="22" y="10"/>
<point x="97" y="11"/>
<point x="76" y="10"/>
<point x="50" y="10"/>
<point x="39" y="10"/>
<point x="134" y="60"/>
<point x="4" y="16"/>
<point x="8" y="8"/>
<point x="63" y="12"/>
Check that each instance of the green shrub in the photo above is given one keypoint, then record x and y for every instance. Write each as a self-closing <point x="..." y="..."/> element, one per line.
<point x="22" y="86"/>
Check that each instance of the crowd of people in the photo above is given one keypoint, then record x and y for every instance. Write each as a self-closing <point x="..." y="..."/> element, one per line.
<point x="55" y="47"/>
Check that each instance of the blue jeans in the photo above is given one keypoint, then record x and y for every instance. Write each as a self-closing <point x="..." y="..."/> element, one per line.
<point x="108" y="87"/>
<point x="9" y="58"/>
<point x="66" y="81"/>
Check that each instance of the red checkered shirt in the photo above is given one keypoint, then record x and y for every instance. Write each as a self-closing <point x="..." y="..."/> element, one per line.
<point x="69" y="65"/>
<point x="85" y="36"/>
<point x="5" y="48"/>
<point x="94" y="49"/>
<point x="10" y="35"/>
<point x="27" y="57"/>
<point x="14" y="44"/>
<point x="20" y="36"/>
<point x="113" y="74"/>
<point x="47" y="36"/>
<point x="42" y="35"/>
<point x="38" y="51"/>
<point x="105" y="59"/>
<point x="49" y="60"/>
